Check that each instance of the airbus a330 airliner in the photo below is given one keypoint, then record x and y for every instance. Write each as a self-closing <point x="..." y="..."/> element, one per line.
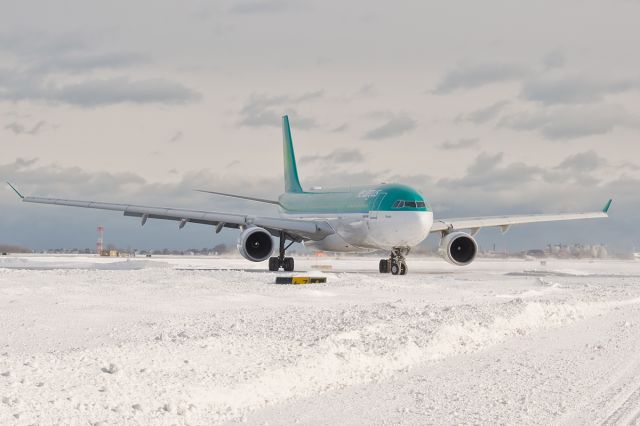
<point x="390" y="217"/>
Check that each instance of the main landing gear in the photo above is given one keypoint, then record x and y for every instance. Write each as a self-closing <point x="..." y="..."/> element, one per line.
<point x="286" y="263"/>
<point x="396" y="264"/>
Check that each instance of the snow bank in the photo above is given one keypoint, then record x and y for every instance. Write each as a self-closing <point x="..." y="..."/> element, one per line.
<point x="120" y="265"/>
<point x="143" y="342"/>
<point x="385" y="348"/>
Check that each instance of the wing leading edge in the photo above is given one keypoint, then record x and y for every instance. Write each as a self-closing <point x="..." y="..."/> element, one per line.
<point x="504" y="222"/>
<point x="298" y="229"/>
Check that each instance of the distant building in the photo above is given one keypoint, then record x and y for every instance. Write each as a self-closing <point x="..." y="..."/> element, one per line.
<point x="596" y="251"/>
<point x="7" y="248"/>
<point x="535" y="253"/>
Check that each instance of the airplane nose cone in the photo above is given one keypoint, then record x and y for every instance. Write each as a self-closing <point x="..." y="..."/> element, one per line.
<point x="401" y="229"/>
<point x="423" y="223"/>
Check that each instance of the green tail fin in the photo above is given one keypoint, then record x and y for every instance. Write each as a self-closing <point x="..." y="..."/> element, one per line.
<point x="291" y="182"/>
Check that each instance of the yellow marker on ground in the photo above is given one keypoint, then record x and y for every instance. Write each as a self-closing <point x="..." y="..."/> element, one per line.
<point x="300" y="280"/>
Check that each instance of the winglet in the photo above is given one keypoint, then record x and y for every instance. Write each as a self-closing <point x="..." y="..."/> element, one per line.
<point x="16" y="191"/>
<point x="606" y="206"/>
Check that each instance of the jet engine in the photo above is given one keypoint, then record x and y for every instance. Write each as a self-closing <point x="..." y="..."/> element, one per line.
<point x="255" y="244"/>
<point x="459" y="248"/>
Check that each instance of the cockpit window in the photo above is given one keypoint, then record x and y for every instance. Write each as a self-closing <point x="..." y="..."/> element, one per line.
<point x="412" y="204"/>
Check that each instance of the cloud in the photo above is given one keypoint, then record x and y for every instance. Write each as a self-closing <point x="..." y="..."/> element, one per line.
<point x="459" y="144"/>
<point x="554" y="59"/>
<point x="367" y="91"/>
<point x="38" y="43"/>
<point x="339" y="156"/>
<point x="35" y="178"/>
<point x="41" y="62"/>
<point x="101" y="92"/>
<point x="582" y="162"/>
<point x="266" y="110"/>
<point x="341" y="128"/>
<point x="582" y="168"/>
<point x="51" y="176"/>
<point x="21" y="163"/>
<point x="177" y="136"/>
<point x="308" y="96"/>
<point x="80" y="62"/>
<point x="122" y="90"/>
<point x="571" y="122"/>
<point x="20" y="129"/>
<point x="472" y="76"/>
<point x="489" y="173"/>
<point x="397" y="125"/>
<point x="572" y="89"/>
<point x="493" y="186"/>
<point x="46" y="53"/>
<point x="629" y="165"/>
<point x="259" y="7"/>
<point x="484" y="115"/>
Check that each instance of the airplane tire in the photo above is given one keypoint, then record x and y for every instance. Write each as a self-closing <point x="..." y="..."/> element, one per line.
<point x="395" y="269"/>
<point x="274" y="264"/>
<point x="384" y="266"/>
<point x="288" y="264"/>
<point x="403" y="268"/>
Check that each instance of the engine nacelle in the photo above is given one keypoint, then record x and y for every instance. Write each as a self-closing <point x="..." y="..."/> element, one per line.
<point x="255" y="244"/>
<point x="459" y="248"/>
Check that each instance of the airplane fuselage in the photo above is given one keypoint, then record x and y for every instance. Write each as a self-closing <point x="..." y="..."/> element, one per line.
<point x="364" y="218"/>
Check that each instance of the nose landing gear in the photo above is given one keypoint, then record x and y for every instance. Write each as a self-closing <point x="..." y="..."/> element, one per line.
<point x="396" y="264"/>
<point x="286" y="263"/>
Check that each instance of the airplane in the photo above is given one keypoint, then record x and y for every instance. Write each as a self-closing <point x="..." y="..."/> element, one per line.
<point x="391" y="217"/>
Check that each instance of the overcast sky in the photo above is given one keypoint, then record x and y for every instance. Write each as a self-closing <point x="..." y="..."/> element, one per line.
<point x="486" y="107"/>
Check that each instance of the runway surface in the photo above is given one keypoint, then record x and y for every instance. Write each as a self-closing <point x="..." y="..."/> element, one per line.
<point x="89" y="340"/>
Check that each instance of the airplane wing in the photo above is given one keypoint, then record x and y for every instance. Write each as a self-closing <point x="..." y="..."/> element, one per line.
<point x="505" y="222"/>
<point x="296" y="229"/>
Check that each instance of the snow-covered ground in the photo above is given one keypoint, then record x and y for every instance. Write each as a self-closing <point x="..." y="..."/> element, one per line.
<point x="87" y="340"/>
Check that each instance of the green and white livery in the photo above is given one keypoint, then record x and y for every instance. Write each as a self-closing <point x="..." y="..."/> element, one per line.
<point x="390" y="217"/>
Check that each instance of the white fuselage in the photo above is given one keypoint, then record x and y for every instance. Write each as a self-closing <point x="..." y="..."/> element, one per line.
<point x="375" y="230"/>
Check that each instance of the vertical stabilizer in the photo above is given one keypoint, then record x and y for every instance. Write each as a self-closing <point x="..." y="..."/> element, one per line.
<point x="291" y="182"/>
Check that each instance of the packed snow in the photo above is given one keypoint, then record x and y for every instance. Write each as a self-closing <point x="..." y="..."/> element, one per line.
<point x="89" y="340"/>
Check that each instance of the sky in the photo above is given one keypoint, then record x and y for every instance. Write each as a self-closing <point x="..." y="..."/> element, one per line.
<point x="487" y="108"/>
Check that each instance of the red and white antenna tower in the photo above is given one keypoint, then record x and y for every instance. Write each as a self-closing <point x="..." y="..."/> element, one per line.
<point x="100" y="242"/>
